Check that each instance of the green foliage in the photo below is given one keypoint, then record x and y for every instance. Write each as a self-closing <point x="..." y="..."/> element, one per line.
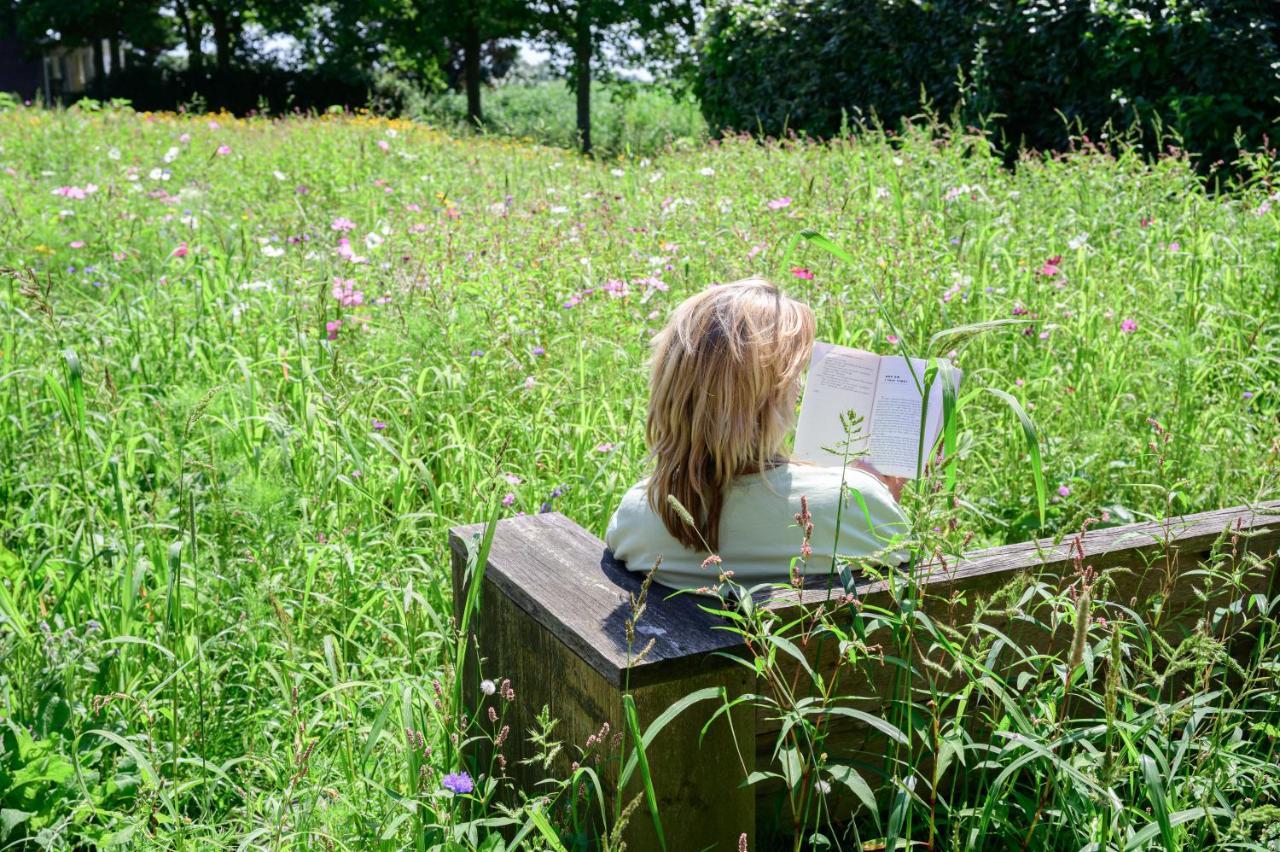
<point x="225" y="594"/>
<point x="1200" y="70"/>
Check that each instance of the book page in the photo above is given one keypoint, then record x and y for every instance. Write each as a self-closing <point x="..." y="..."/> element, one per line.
<point x="840" y="380"/>
<point x="895" y="417"/>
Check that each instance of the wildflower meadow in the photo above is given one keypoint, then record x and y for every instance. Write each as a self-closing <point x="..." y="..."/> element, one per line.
<point x="253" y="370"/>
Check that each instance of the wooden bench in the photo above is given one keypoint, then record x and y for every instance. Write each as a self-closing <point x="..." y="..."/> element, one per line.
<point x="554" y="606"/>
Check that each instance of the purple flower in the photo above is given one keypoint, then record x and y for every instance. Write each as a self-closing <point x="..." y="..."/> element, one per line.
<point x="342" y="224"/>
<point x="539" y="351"/>
<point x="1247" y="395"/>
<point x="378" y="425"/>
<point x="546" y="507"/>
<point x="559" y="490"/>
<point x="458" y="783"/>
<point x="508" y="499"/>
<point x="779" y="203"/>
<point x="1064" y="491"/>
<point x="1129" y="326"/>
<point x="476" y="353"/>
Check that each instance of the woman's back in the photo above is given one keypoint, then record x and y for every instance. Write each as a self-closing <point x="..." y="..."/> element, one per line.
<point x="759" y="535"/>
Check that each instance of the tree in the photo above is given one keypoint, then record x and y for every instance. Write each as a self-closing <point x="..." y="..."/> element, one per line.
<point x="88" y="23"/>
<point x="584" y="29"/>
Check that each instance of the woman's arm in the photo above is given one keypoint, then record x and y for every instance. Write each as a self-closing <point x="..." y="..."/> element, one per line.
<point x="893" y="483"/>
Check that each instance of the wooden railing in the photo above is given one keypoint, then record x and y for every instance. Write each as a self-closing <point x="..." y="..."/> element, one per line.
<point x="554" y="607"/>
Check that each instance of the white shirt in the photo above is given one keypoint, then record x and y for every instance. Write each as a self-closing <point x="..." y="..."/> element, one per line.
<point x="759" y="535"/>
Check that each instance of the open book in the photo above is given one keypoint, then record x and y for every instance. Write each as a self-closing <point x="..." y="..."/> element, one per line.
<point x="883" y="392"/>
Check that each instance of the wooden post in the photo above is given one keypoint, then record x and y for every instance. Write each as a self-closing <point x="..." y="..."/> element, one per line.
<point x="554" y="605"/>
<point x="553" y="613"/>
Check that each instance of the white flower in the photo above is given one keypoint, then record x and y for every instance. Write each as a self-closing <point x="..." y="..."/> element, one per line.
<point x="373" y="240"/>
<point x="655" y="177"/>
<point x="557" y="209"/>
<point x="113" y="154"/>
<point x="897" y="161"/>
<point x="279" y="175"/>
<point x="1078" y="242"/>
<point x="488" y="687"/>
<point x="618" y="172"/>
<point x="706" y="171"/>
<point x="171" y="155"/>
<point x="155" y="174"/>
<point x="882" y="191"/>
<point x="823" y="787"/>
<point x="273" y="251"/>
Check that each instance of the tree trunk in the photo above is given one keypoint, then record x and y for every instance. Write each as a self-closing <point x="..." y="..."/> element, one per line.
<point x="117" y="56"/>
<point x="191" y="32"/>
<point x="220" y="18"/>
<point x="582" y="74"/>
<point x="99" y="87"/>
<point x="471" y="71"/>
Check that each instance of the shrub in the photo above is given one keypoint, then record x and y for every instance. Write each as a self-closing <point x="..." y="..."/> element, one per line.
<point x="1203" y="69"/>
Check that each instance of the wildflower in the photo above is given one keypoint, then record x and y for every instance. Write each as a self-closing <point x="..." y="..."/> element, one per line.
<point x="1145" y="221"/>
<point x="223" y="150"/>
<point x="476" y="353"/>
<point x="891" y="339"/>
<point x="378" y="425"/>
<point x="1129" y="326"/>
<point x="76" y="244"/>
<point x="343" y="224"/>
<point x="617" y="172"/>
<point x="1078" y="242"/>
<point x="882" y="192"/>
<point x="604" y="448"/>
<point x="1175" y="246"/>
<point x="508" y="499"/>
<point x="1247" y="395"/>
<point x="822" y="786"/>
<point x="1044" y="335"/>
<point x="1051" y="267"/>
<point x="1020" y="310"/>
<point x="538" y="351"/>
<point x="779" y="203"/>
<point x="488" y="687"/>
<point x="458" y="783"/>
<point x="372" y="240"/>
<point x="184" y="138"/>
<point x="711" y="561"/>
<point x="171" y="154"/>
<point x="384" y="145"/>
<point x="180" y="251"/>
<point x="344" y="290"/>
<point x="706" y="171"/>
<point x="512" y="479"/>
<point x="1064" y="491"/>
<point x="331" y="329"/>
<point x="802" y="273"/>
<point x="273" y="251"/>
<point x="529" y="382"/>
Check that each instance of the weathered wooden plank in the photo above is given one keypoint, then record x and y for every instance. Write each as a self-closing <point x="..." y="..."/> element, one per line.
<point x="569" y="582"/>
<point x="689" y="770"/>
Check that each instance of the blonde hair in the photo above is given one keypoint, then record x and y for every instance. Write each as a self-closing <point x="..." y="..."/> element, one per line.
<point x="721" y="398"/>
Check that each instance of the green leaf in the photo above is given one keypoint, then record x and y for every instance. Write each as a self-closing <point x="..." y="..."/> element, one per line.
<point x="1033" y="445"/>
<point x="633" y="724"/>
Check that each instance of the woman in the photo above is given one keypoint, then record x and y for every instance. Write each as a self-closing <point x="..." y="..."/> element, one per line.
<point x="722" y="399"/>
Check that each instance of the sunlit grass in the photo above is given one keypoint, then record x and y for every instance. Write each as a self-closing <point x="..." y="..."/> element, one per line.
<point x="226" y="480"/>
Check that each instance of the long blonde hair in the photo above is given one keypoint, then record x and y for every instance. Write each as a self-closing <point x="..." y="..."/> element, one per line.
<point x="721" y="397"/>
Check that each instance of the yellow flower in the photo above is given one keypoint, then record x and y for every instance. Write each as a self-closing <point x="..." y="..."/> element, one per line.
<point x="43" y="249"/>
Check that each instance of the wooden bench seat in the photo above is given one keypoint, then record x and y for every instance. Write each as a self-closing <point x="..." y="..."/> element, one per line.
<point x="554" y="606"/>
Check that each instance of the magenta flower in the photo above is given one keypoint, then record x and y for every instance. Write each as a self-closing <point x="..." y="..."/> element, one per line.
<point x="332" y="327"/>
<point x="604" y="448"/>
<point x="378" y="425"/>
<point x="1052" y="266"/>
<point x="1129" y="326"/>
<point x="779" y="203"/>
<point x="343" y="224"/>
<point x="802" y="273"/>
<point x="1064" y="491"/>
<point x="180" y="251"/>
<point x="1175" y="246"/>
<point x="891" y="339"/>
<point x="1019" y="310"/>
<point x="223" y="150"/>
<point x="458" y="783"/>
<point x="508" y="500"/>
<point x="77" y="244"/>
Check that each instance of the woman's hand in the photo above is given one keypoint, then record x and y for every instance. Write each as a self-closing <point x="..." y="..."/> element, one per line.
<point x="893" y="483"/>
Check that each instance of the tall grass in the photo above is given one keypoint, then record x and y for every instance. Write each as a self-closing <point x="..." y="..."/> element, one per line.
<point x="225" y="478"/>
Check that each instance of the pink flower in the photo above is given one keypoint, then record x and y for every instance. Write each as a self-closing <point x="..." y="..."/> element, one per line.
<point x="331" y="328"/>
<point x="891" y="339"/>
<point x="779" y="203"/>
<point x="1064" y="491"/>
<point x="186" y="137"/>
<point x="384" y="145"/>
<point x="453" y="212"/>
<point x="604" y="448"/>
<point x="1051" y="266"/>
<point x="1145" y="221"/>
<point x="77" y="243"/>
<point x="1129" y="326"/>
<point x="508" y="499"/>
<point x="802" y="273"/>
<point x="180" y="251"/>
<point x="344" y="290"/>
<point x="1019" y="310"/>
<point x="1175" y="246"/>
<point x="342" y="224"/>
<point x="223" y="150"/>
